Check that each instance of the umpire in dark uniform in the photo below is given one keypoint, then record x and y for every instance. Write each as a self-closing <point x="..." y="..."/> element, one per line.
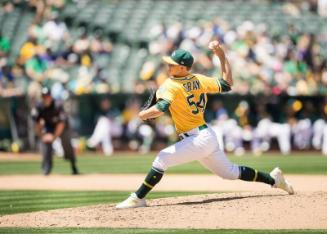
<point x="51" y="121"/>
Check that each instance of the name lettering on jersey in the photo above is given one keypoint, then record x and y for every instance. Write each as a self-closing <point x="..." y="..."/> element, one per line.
<point x="192" y="85"/>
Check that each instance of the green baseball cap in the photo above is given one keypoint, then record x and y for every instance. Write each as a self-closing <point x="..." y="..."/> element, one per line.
<point x="179" y="57"/>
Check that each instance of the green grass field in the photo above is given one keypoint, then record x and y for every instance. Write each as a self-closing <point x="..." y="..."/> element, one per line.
<point x="12" y="202"/>
<point x="304" y="163"/>
<point x="19" y="201"/>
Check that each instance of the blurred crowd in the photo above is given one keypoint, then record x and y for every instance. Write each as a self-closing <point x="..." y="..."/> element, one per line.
<point x="51" y="56"/>
<point x="292" y="63"/>
<point x="75" y="60"/>
<point x="8" y="86"/>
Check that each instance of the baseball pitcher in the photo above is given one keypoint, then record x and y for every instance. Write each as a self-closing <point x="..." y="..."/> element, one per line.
<point x="184" y="94"/>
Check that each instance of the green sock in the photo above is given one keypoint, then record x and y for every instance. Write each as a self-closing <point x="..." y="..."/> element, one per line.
<point x="249" y="174"/>
<point x="153" y="177"/>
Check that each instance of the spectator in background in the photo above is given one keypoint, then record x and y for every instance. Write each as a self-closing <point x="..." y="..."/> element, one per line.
<point x="82" y="44"/>
<point x="98" y="45"/>
<point x="8" y="7"/>
<point x="101" y="81"/>
<point x="4" y="46"/>
<point x="36" y="31"/>
<point x="28" y="50"/>
<point x="39" y="7"/>
<point x="54" y="31"/>
<point x="8" y="82"/>
<point x="8" y="86"/>
<point x="46" y="8"/>
<point x="6" y="77"/>
<point x="37" y="65"/>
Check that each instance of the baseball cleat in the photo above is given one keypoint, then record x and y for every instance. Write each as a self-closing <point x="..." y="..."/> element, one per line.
<point x="131" y="202"/>
<point x="280" y="181"/>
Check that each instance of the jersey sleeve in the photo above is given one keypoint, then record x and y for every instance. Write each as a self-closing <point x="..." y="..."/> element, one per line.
<point x="209" y="84"/>
<point x="213" y="85"/>
<point x="166" y="92"/>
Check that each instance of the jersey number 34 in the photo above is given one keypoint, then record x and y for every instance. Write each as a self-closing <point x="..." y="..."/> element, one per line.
<point x="197" y="106"/>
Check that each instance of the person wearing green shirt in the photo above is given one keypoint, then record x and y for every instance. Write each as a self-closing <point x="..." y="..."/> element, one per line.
<point x="4" y="45"/>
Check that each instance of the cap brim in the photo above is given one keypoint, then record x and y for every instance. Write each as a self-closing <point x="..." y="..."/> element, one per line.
<point x="169" y="60"/>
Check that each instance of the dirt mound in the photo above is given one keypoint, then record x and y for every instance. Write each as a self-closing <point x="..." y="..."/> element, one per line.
<point x="264" y="210"/>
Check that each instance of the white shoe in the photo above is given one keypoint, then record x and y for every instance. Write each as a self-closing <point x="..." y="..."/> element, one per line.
<point x="131" y="202"/>
<point x="280" y="181"/>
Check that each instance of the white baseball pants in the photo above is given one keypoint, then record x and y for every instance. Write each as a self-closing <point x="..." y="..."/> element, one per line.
<point x="324" y="143"/>
<point x="302" y="132"/>
<point x="318" y="133"/>
<point x="267" y="129"/>
<point x="201" y="145"/>
<point x="102" y="134"/>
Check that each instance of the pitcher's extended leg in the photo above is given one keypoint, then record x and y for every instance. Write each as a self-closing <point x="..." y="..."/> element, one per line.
<point x="220" y="165"/>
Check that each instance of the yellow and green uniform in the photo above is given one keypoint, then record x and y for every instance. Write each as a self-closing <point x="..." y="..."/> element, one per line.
<point x="187" y="98"/>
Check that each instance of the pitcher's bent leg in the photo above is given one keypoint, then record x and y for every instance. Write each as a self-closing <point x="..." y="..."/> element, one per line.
<point x="187" y="150"/>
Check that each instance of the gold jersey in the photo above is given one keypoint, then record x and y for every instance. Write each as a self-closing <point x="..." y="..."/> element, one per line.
<point x="188" y="98"/>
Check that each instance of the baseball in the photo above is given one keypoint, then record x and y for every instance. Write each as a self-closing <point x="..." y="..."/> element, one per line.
<point x="213" y="45"/>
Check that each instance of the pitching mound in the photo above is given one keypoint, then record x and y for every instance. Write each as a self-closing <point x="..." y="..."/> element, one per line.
<point x="268" y="210"/>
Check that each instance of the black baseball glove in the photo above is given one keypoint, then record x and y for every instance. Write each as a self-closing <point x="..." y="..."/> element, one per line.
<point x="152" y="100"/>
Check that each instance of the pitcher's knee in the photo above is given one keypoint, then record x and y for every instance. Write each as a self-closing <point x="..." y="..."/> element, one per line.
<point x="159" y="164"/>
<point x="230" y="173"/>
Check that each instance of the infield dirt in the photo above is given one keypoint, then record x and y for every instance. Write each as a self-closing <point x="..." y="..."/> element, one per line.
<point x="262" y="208"/>
<point x="255" y="210"/>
